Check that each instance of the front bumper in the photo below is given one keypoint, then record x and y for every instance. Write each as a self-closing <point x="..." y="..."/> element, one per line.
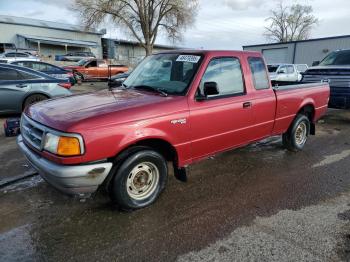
<point x="70" y="179"/>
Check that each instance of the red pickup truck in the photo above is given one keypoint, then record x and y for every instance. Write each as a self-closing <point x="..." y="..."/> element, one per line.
<point x="176" y="106"/>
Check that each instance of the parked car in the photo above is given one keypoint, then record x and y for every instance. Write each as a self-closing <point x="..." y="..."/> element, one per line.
<point x="20" y="87"/>
<point x="177" y="106"/>
<point x="117" y="80"/>
<point x="75" y="56"/>
<point x="8" y="57"/>
<point x="286" y="72"/>
<point x="334" y="69"/>
<point x="49" y="69"/>
<point x="88" y="69"/>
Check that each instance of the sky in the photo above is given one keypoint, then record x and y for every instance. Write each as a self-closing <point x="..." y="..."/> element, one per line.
<point x="219" y="24"/>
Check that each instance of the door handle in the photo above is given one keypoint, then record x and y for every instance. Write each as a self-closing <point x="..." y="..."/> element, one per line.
<point x="21" y="85"/>
<point x="247" y="104"/>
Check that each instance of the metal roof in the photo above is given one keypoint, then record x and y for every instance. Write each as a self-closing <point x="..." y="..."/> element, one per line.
<point x="135" y="43"/>
<point x="300" y="41"/>
<point x="59" y="41"/>
<point x="6" y="19"/>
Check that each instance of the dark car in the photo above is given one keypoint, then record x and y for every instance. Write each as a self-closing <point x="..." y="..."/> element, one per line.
<point x="49" y="69"/>
<point x="75" y="56"/>
<point x="21" y="86"/>
<point x="334" y="69"/>
<point x="117" y="80"/>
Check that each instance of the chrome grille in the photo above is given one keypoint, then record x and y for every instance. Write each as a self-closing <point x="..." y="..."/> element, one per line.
<point x="32" y="132"/>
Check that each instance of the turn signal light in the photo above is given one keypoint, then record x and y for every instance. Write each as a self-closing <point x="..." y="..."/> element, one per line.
<point x="65" y="85"/>
<point x="68" y="146"/>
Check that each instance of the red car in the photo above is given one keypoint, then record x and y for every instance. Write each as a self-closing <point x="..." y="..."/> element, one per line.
<point x="178" y="106"/>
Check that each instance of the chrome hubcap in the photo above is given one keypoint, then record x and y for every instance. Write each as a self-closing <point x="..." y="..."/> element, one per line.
<point x="301" y="134"/>
<point x="142" y="180"/>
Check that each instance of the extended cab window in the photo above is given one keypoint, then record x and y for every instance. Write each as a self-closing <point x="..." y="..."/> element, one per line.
<point x="290" y="69"/>
<point x="259" y="74"/>
<point x="226" y="72"/>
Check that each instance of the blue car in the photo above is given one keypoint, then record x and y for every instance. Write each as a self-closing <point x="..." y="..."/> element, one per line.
<point x="21" y="87"/>
<point x="49" y="69"/>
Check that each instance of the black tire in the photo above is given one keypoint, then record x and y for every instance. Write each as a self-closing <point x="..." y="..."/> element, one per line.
<point x="296" y="136"/>
<point x="78" y="77"/>
<point x="123" y="188"/>
<point x="32" y="99"/>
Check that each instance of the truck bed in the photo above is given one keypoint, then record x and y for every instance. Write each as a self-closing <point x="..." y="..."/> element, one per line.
<point x="291" y="98"/>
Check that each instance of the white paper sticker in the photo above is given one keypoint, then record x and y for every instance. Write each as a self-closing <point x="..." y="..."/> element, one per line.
<point x="188" y="58"/>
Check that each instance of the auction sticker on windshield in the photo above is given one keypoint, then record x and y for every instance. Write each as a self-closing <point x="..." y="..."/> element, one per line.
<point x="188" y="58"/>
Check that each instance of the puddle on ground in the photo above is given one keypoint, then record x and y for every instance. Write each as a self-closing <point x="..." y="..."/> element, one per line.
<point x="22" y="184"/>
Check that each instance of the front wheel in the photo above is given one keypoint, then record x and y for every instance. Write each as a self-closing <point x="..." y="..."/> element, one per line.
<point x="139" y="180"/>
<point x="296" y="136"/>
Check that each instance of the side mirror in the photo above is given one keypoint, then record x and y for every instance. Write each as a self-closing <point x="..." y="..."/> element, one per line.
<point x="210" y="89"/>
<point x="315" y="63"/>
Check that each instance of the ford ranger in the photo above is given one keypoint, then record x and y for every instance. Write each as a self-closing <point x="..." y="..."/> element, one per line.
<point x="176" y="106"/>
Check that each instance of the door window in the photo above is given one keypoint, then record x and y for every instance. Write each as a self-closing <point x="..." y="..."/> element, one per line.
<point x="259" y="74"/>
<point x="39" y="67"/>
<point x="282" y="70"/>
<point x="227" y="73"/>
<point x="27" y="76"/>
<point x="22" y="55"/>
<point x="8" y="74"/>
<point x="290" y="69"/>
<point x="92" y="64"/>
<point x="10" y="55"/>
<point x="11" y="74"/>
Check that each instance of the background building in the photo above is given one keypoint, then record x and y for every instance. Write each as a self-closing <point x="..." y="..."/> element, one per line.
<point x="128" y="52"/>
<point x="301" y="52"/>
<point x="49" y="38"/>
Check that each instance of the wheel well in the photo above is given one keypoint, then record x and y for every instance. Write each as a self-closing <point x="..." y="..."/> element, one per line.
<point x="33" y="94"/>
<point x="309" y="111"/>
<point x="161" y="146"/>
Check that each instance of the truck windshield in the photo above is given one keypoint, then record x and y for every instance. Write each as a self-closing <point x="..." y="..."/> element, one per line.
<point x="82" y="62"/>
<point x="337" y="58"/>
<point x="170" y="73"/>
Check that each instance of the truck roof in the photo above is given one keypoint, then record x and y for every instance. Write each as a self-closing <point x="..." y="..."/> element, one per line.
<point x="212" y="52"/>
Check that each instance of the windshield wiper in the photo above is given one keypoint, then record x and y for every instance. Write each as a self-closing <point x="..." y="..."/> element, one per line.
<point x="151" y="88"/>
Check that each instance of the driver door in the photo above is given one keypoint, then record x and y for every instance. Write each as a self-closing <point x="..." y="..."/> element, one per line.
<point x="222" y="121"/>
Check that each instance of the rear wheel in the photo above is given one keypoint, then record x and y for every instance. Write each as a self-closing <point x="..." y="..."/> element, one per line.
<point x="296" y="136"/>
<point x="32" y="99"/>
<point x="139" y="180"/>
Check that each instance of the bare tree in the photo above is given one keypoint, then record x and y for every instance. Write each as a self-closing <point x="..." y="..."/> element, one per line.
<point x="290" y="23"/>
<point x="144" y="19"/>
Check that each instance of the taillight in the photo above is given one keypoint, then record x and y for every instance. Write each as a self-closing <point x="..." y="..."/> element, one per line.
<point x="65" y="85"/>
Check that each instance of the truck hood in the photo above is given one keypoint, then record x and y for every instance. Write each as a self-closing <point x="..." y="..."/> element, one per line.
<point x="71" y="112"/>
<point x="71" y="67"/>
<point x="328" y="70"/>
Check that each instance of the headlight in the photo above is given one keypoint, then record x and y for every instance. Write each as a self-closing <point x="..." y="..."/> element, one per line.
<point x="62" y="145"/>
